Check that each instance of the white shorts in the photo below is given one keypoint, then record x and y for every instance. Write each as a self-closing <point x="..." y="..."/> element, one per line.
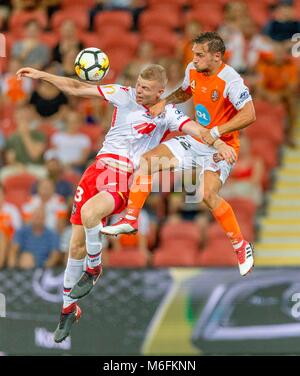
<point x="191" y="154"/>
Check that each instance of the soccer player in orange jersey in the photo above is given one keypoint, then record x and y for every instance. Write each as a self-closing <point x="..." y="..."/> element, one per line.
<point x="223" y="105"/>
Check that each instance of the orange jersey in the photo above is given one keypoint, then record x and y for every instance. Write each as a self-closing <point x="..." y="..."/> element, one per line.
<point x="217" y="98"/>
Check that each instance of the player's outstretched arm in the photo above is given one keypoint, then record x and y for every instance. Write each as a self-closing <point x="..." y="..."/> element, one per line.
<point x="67" y="85"/>
<point x="178" y="96"/>
<point x="194" y="129"/>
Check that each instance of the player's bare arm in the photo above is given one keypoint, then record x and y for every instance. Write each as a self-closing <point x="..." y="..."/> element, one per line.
<point x="178" y="96"/>
<point x="195" y="129"/>
<point x="67" y="85"/>
<point x="242" y="119"/>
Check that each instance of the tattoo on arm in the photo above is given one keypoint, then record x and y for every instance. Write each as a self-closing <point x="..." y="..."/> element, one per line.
<point x="178" y="96"/>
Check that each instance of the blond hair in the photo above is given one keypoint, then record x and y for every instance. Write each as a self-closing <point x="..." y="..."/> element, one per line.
<point x="155" y="72"/>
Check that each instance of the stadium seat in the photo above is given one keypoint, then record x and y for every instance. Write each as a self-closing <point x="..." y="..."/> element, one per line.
<point x="127" y="258"/>
<point x="208" y="19"/>
<point x="90" y="39"/>
<point x="175" y="4"/>
<point x="87" y="4"/>
<point x="78" y="16"/>
<point x="17" y="197"/>
<point x="177" y="255"/>
<point x="50" y="39"/>
<point x="120" y="19"/>
<point x="8" y="125"/>
<point x="19" y="18"/>
<point x="95" y="134"/>
<point x="126" y="41"/>
<point x="171" y="20"/>
<point x="21" y="182"/>
<point x="217" y="253"/>
<point x="165" y="44"/>
<point x="267" y="150"/>
<point x="176" y="232"/>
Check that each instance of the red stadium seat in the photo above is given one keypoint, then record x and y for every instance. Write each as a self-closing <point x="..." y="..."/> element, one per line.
<point x="120" y="19"/>
<point x="125" y="41"/>
<point x="171" y="20"/>
<point x="217" y="253"/>
<point x="95" y="134"/>
<point x="174" y="4"/>
<point x="19" y="18"/>
<point x="208" y="19"/>
<point x="90" y="39"/>
<point x="177" y="255"/>
<point x="50" y="39"/>
<point x="77" y="4"/>
<point x="127" y="258"/>
<point x="17" y="197"/>
<point x="176" y="232"/>
<point x="165" y="44"/>
<point x="21" y="182"/>
<point x="267" y="150"/>
<point x="78" y="16"/>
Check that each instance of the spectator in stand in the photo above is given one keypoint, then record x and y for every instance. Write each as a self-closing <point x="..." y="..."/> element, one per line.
<point x="72" y="147"/>
<point x="55" y="172"/>
<point x="247" y="175"/>
<point x="30" y="51"/>
<point x="55" y="206"/>
<point x="24" y="149"/>
<point x="278" y="83"/>
<point x="68" y="64"/>
<point x="68" y="41"/>
<point x="35" y="245"/>
<point x="48" y="102"/>
<point x="283" y="24"/>
<point x="10" y="221"/>
<point x="14" y="90"/>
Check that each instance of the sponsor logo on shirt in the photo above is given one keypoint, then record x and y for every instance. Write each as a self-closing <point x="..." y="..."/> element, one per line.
<point x="179" y="114"/>
<point x="109" y="89"/>
<point x="203" y="115"/>
<point x="193" y="85"/>
<point x="244" y="95"/>
<point x="145" y="128"/>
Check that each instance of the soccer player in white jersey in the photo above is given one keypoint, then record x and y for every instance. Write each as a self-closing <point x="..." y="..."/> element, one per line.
<point x="103" y="189"/>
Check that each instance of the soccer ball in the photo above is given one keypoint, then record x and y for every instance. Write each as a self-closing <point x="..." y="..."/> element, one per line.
<point x="91" y="64"/>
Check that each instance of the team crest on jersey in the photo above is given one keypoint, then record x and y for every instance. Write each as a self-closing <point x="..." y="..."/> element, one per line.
<point x="215" y="95"/>
<point x="193" y="85"/>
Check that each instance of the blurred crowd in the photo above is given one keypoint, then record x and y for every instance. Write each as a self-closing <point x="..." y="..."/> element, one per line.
<point x="47" y="139"/>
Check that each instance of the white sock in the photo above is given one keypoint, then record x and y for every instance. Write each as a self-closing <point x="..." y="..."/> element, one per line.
<point x="237" y="246"/>
<point x="93" y="245"/>
<point x="72" y="275"/>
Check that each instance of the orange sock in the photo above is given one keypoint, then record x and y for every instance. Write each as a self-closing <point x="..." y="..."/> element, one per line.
<point x="225" y="216"/>
<point x="139" y="191"/>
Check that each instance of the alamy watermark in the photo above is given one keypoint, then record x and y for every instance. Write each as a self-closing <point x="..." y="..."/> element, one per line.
<point x="2" y="45"/>
<point x="296" y="46"/>
<point x="2" y="305"/>
<point x="295" y="311"/>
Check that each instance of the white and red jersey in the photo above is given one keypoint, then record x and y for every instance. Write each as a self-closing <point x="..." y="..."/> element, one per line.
<point x="133" y="131"/>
